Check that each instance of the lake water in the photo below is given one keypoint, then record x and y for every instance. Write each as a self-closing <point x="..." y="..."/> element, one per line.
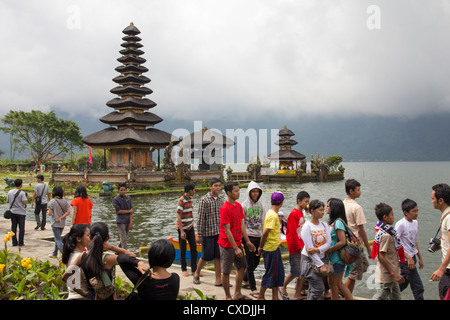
<point x="389" y="182"/>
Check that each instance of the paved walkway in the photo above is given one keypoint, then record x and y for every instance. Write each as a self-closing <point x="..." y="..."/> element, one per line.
<point x="39" y="244"/>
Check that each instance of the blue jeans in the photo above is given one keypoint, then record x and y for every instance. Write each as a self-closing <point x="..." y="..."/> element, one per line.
<point x="58" y="242"/>
<point x="412" y="277"/>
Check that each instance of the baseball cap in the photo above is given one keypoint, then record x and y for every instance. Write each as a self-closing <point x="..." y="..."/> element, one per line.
<point x="277" y="197"/>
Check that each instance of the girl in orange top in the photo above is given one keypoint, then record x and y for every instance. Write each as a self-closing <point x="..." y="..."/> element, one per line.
<point x="82" y="206"/>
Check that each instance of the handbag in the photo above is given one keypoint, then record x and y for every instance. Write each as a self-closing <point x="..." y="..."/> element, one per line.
<point x="8" y="213"/>
<point x="352" y="249"/>
<point x="102" y="284"/>
<point x="328" y="265"/>
<point x="133" y="295"/>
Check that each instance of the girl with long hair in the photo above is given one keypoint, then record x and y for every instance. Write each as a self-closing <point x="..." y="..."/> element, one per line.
<point x="82" y="206"/>
<point x="74" y="244"/>
<point x="95" y="263"/>
<point x="338" y="220"/>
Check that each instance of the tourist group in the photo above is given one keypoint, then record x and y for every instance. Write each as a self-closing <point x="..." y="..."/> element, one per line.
<point x="322" y="252"/>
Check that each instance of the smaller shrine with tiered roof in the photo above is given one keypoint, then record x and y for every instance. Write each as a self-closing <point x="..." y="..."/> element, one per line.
<point x="286" y="157"/>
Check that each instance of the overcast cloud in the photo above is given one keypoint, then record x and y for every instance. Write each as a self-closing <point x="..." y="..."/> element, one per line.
<point x="231" y="58"/>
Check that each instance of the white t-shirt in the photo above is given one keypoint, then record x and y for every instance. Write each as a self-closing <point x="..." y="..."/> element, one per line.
<point x="42" y="190"/>
<point x="80" y="278"/>
<point x="17" y="205"/>
<point x="445" y="228"/>
<point x="316" y="236"/>
<point x="407" y="232"/>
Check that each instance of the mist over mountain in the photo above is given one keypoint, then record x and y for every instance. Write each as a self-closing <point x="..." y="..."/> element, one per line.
<point x="423" y="138"/>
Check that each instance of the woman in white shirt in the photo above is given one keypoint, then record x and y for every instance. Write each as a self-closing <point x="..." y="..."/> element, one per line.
<point x="317" y="238"/>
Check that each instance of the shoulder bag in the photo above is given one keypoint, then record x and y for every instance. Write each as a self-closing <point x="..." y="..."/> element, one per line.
<point x="102" y="284"/>
<point x="8" y="213"/>
<point x="352" y="249"/>
<point x="38" y="199"/>
<point x="133" y="294"/>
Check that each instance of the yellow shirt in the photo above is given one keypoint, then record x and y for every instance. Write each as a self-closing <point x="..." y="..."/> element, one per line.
<point x="273" y="238"/>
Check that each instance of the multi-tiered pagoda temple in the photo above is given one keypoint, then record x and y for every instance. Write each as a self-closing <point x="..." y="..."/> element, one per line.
<point x="131" y="137"/>
<point x="286" y="156"/>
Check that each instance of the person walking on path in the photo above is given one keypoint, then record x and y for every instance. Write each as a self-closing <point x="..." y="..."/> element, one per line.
<point x="41" y="196"/>
<point x="82" y="206"/>
<point x="338" y="220"/>
<point x="124" y="214"/>
<point x="232" y="231"/>
<point x="356" y="220"/>
<point x="208" y="229"/>
<point x="254" y="214"/>
<point x="269" y="247"/>
<point x="185" y="228"/>
<point x="17" y="200"/>
<point x="389" y="250"/>
<point x="317" y="239"/>
<point x="440" y="197"/>
<point x="295" y="245"/>
<point x="58" y="209"/>
<point x="407" y="229"/>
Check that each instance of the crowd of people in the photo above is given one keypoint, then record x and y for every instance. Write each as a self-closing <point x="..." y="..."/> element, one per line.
<point x="322" y="252"/>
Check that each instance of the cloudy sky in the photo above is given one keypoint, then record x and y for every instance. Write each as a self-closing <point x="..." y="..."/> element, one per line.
<point x="231" y="59"/>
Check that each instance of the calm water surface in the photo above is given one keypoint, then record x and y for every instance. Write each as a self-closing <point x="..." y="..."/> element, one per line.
<point x="391" y="182"/>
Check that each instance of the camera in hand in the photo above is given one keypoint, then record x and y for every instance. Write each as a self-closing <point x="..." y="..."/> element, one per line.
<point x="434" y="245"/>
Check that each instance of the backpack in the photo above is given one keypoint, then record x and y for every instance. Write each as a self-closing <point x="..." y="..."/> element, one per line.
<point x="352" y="250"/>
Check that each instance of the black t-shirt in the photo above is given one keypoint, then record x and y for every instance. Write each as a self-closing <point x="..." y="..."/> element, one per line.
<point x="150" y="289"/>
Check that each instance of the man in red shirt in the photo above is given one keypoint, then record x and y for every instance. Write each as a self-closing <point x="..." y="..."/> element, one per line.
<point x="232" y="230"/>
<point x="295" y="244"/>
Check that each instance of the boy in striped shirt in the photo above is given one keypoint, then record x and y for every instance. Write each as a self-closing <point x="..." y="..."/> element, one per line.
<point x="185" y="228"/>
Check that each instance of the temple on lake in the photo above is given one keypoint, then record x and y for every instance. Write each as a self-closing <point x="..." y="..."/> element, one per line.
<point x="286" y="157"/>
<point x="131" y="137"/>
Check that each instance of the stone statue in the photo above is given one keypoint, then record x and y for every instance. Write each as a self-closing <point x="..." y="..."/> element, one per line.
<point x="168" y="165"/>
<point x="303" y="165"/>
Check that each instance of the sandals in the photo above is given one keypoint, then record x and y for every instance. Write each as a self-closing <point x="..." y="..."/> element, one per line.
<point x="284" y="295"/>
<point x="196" y="280"/>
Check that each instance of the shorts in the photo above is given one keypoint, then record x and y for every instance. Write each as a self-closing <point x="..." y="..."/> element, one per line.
<point x="359" y="267"/>
<point x="274" y="275"/>
<point x="294" y="263"/>
<point x="228" y="257"/>
<point x="338" y="268"/>
<point x="210" y="248"/>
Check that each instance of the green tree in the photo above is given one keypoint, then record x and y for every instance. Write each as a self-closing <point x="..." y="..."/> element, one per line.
<point x="43" y="133"/>
<point x="333" y="162"/>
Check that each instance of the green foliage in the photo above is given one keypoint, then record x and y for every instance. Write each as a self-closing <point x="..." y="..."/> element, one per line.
<point x="201" y="295"/>
<point x="43" y="133"/>
<point x="28" y="279"/>
<point x="333" y="162"/>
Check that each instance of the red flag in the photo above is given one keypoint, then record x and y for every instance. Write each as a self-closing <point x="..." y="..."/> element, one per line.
<point x="90" y="155"/>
